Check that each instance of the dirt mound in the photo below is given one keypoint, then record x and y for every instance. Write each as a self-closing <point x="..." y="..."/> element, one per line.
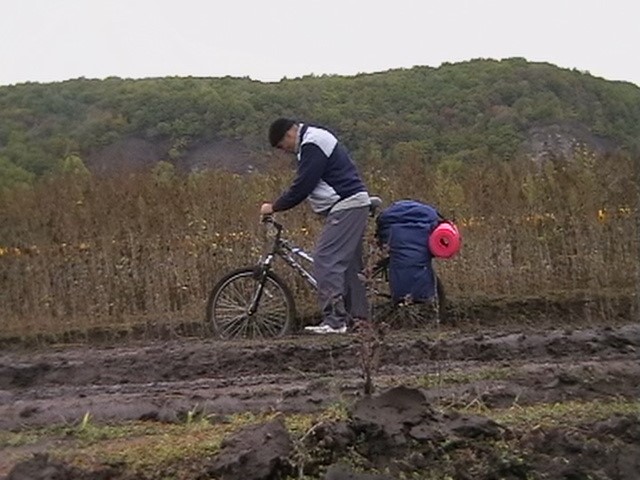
<point x="41" y="467"/>
<point x="601" y="450"/>
<point x="254" y="453"/>
<point x="402" y="415"/>
<point x="399" y="432"/>
<point x="381" y="429"/>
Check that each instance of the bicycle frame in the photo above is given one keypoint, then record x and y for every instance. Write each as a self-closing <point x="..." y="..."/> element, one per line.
<point x="287" y="251"/>
<point x="284" y="249"/>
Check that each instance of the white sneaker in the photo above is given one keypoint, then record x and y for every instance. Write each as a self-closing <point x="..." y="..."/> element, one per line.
<point x="323" y="328"/>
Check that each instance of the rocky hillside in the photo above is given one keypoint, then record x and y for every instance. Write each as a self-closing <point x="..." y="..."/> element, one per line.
<point x="481" y="109"/>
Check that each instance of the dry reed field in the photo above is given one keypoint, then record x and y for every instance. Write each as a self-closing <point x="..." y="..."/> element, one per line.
<point x="139" y="253"/>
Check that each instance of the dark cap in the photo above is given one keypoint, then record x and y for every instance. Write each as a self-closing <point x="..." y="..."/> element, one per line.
<point x="278" y="128"/>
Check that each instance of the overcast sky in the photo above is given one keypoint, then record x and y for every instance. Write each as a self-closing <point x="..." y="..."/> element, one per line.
<point x="52" y="40"/>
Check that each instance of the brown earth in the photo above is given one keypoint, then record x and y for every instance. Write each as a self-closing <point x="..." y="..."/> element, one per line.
<point x="132" y="154"/>
<point x="125" y="156"/>
<point x="399" y="430"/>
<point x="567" y="140"/>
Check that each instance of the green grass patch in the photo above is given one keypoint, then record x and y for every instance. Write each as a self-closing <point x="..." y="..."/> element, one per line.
<point x="568" y="413"/>
<point x="171" y="450"/>
<point x="156" y="447"/>
<point x="448" y="378"/>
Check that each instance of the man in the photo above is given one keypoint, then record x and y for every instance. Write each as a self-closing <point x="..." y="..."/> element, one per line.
<point x="329" y="179"/>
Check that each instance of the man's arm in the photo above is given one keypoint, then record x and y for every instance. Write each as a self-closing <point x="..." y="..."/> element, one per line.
<point x="310" y="170"/>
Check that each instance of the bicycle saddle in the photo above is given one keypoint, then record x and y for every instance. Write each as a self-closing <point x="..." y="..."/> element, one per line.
<point x="376" y="202"/>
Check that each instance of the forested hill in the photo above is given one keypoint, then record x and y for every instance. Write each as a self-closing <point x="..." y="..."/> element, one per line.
<point x="470" y="110"/>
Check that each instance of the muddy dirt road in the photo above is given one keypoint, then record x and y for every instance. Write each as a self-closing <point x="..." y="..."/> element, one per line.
<point x="166" y="380"/>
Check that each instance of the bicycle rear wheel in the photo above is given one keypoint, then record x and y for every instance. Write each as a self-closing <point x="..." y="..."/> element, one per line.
<point x="401" y="314"/>
<point x="228" y="307"/>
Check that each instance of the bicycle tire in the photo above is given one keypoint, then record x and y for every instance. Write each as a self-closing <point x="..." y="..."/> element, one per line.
<point x="416" y="314"/>
<point x="230" y="298"/>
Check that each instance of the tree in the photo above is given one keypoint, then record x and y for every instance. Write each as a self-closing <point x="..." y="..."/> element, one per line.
<point x="73" y="164"/>
<point x="12" y="176"/>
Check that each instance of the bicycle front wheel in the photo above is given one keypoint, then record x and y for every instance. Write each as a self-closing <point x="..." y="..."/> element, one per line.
<point x="229" y="309"/>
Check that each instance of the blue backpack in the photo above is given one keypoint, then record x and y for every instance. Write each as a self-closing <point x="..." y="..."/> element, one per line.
<point x="404" y="227"/>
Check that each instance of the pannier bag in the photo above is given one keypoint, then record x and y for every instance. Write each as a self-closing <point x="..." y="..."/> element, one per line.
<point x="404" y="227"/>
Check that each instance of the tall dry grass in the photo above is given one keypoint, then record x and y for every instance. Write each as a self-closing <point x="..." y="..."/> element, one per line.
<point x="80" y="254"/>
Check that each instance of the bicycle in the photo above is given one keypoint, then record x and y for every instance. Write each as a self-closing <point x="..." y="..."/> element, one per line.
<point x="256" y="302"/>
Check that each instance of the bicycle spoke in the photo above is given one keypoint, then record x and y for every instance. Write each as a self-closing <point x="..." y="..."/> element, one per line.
<point x="269" y="320"/>
<point x="234" y="326"/>
<point x="231" y="308"/>
<point x="226" y="304"/>
<point x="268" y="324"/>
<point x="239" y="294"/>
<point x="270" y="306"/>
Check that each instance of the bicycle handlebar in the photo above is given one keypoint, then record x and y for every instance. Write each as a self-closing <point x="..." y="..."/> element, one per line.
<point x="268" y="219"/>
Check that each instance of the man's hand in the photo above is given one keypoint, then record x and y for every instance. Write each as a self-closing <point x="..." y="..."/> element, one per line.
<point x="266" y="209"/>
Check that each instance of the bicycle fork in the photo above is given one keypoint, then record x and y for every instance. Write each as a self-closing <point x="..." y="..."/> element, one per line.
<point x="261" y="276"/>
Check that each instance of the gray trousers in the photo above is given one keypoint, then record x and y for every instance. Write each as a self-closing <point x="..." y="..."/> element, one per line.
<point x="337" y="262"/>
